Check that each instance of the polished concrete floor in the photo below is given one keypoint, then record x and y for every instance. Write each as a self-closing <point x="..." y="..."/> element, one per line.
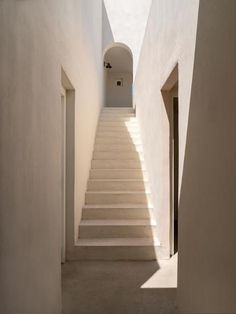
<point x="118" y="288"/>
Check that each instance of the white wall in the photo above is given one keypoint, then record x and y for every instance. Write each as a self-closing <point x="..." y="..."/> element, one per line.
<point x="37" y="39"/>
<point x="167" y="42"/>
<point x="107" y="35"/>
<point x="207" y="258"/>
<point x="119" y="96"/>
<point x="128" y="19"/>
<point x="207" y="115"/>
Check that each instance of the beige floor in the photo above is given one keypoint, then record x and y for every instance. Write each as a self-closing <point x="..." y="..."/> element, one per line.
<point x="119" y="287"/>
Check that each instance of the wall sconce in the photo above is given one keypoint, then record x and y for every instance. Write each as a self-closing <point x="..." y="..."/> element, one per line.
<point x="107" y="65"/>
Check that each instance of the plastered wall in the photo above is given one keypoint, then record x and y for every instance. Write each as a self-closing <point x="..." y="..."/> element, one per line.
<point x="168" y="44"/>
<point x="37" y="39"/>
<point x="207" y="258"/>
<point x="206" y="85"/>
<point x="119" y="96"/>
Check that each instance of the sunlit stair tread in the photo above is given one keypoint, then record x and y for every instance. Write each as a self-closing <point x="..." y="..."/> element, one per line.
<point x="118" y="242"/>
<point x="120" y="180"/>
<point x="117" y="211"/>
<point x="117" y="164"/>
<point x="118" y="174"/>
<point x="118" y="169"/>
<point x="117" y="148"/>
<point x="118" y="123"/>
<point x="115" y="160"/>
<point x="117" y="192"/>
<point x="118" y="131"/>
<point x="118" y="206"/>
<point x="117" y="135"/>
<point x="117" y="222"/>
<point x="118" y="155"/>
<point x="118" y="109"/>
<point x="124" y="141"/>
<point x="115" y="117"/>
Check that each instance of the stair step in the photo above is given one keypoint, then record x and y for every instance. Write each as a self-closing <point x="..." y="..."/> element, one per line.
<point x="122" y="118"/>
<point x="110" y="197"/>
<point x="118" y="123"/>
<point x="118" y="174"/>
<point x="118" y="135"/>
<point x="88" y="249"/>
<point x="118" y="155"/>
<point x="117" y="185"/>
<point x="117" y="249"/>
<point x="117" y="147"/>
<point x="121" y="141"/>
<point x="116" y="211"/>
<point x="117" y="164"/>
<point x="118" y="128"/>
<point x="117" y="113"/>
<point x="117" y="222"/>
<point x="116" y="228"/>
<point x="119" y="242"/>
<point x="117" y="110"/>
<point x="118" y="132"/>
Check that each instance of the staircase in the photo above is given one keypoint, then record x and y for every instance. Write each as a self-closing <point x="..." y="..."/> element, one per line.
<point x="116" y="222"/>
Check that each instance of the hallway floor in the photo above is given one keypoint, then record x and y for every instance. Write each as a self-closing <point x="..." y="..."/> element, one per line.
<point x="116" y="288"/>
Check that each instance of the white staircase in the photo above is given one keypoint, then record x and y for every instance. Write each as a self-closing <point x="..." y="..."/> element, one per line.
<point x="116" y="222"/>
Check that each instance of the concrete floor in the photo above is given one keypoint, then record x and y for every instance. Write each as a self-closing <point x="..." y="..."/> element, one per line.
<point x="118" y="288"/>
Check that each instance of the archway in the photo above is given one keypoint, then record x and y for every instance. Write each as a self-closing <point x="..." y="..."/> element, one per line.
<point x="118" y="68"/>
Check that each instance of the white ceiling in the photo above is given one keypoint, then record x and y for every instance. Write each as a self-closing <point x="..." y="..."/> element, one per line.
<point x="120" y="60"/>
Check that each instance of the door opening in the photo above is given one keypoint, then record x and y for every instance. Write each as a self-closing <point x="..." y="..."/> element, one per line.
<point x="170" y="95"/>
<point x="175" y="171"/>
<point x="67" y="163"/>
<point x="63" y="174"/>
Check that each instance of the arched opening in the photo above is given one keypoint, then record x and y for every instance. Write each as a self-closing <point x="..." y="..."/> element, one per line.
<point x="118" y="68"/>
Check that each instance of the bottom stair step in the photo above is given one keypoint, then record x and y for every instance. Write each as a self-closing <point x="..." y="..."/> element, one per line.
<point x="117" y="249"/>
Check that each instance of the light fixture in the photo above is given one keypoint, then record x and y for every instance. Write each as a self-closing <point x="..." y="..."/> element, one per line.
<point x="107" y="65"/>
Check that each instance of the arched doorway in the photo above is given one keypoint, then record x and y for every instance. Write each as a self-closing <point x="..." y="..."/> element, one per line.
<point x="118" y="68"/>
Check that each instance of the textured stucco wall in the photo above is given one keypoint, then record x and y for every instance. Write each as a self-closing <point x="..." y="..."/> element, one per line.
<point x="207" y="115"/>
<point x="119" y="96"/>
<point x="207" y="258"/>
<point x="37" y="39"/>
<point x="167" y="42"/>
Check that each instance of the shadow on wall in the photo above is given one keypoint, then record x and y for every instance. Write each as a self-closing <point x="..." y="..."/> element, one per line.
<point x="207" y="255"/>
<point x="107" y="35"/>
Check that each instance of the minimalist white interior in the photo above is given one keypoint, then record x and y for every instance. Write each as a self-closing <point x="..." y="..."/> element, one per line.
<point x="86" y="149"/>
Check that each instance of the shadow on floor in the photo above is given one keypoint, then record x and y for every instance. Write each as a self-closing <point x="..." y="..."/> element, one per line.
<point x="113" y="288"/>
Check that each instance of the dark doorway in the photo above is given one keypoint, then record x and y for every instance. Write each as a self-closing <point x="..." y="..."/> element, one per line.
<point x="67" y="162"/>
<point x="170" y="94"/>
<point x="175" y="170"/>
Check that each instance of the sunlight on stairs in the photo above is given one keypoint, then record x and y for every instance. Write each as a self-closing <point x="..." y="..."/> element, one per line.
<point x="116" y="219"/>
